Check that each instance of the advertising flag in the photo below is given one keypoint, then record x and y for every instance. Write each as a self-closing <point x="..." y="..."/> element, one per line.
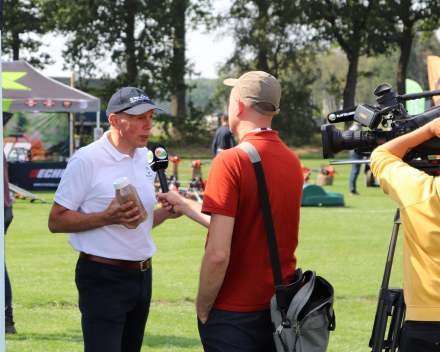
<point x="414" y="107"/>
<point x="433" y="62"/>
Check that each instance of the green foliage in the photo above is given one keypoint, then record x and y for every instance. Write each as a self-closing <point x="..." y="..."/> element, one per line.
<point x="192" y="130"/>
<point x="23" y="21"/>
<point x="424" y="44"/>
<point x="103" y="28"/>
<point x="269" y="37"/>
<point x="141" y="42"/>
<point x="357" y="27"/>
<point x="380" y="69"/>
<point x="295" y="123"/>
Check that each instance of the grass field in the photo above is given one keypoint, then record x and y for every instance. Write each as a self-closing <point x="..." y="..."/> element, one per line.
<point x="346" y="245"/>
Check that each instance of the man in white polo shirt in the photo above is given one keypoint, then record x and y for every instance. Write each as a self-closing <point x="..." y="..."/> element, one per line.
<point x="113" y="273"/>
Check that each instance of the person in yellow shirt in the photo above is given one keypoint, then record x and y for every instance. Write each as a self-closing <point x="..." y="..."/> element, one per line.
<point x="418" y="195"/>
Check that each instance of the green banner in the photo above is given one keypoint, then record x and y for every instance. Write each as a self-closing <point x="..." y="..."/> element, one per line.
<point x="44" y="134"/>
<point x="414" y="107"/>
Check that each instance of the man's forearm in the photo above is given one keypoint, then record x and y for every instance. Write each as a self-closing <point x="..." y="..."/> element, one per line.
<point x="73" y="221"/>
<point x="400" y="146"/>
<point x="160" y="215"/>
<point x="212" y="275"/>
<point x="193" y="210"/>
<point x="215" y="263"/>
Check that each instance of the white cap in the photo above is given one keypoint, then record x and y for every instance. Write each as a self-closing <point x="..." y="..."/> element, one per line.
<point x="183" y="189"/>
<point x="121" y="183"/>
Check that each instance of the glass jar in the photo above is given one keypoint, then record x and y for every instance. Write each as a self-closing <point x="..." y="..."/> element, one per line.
<point x="126" y="192"/>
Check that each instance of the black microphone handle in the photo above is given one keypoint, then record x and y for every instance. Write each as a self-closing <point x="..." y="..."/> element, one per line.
<point x="164" y="184"/>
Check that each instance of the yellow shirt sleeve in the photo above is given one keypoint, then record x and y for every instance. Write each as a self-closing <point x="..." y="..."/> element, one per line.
<point x="403" y="183"/>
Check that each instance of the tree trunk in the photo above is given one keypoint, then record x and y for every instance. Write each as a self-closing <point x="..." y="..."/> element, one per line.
<point x="263" y="53"/>
<point x="130" y="45"/>
<point x="178" y="62"/>
<point x="350" y="85"/>
<point x="15" y="47"/>
<point x="405" y="53"/>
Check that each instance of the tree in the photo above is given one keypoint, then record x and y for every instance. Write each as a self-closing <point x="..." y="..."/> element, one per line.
<point x="23" y="21"/>
<point x="410" y="17"/>
<point x="146" y="42"/>
<point x="181" y="14"/>
<point x="358" y="27"/>
<point x="98" y="29"/>
<point x="269" y="37"/>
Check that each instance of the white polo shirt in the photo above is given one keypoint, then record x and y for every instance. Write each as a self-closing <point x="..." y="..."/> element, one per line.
<point x="87" y="187"/>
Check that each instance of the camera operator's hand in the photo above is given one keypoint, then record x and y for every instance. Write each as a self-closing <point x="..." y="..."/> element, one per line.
<point x="403" y="144"/>
<point x="434" y="128"/>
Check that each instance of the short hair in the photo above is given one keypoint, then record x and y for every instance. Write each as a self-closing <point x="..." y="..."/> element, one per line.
<point x="224" y="118"/>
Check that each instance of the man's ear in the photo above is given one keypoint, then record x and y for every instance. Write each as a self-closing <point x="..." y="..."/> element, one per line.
<point x="114" y="120"/>
<point x="240" y="107"/>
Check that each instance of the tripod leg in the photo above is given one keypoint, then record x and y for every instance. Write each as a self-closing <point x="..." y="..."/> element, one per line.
<point x="379" y="329"/>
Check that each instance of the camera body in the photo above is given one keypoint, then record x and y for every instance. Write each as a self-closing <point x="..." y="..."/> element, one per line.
<point x="391" y="113"/>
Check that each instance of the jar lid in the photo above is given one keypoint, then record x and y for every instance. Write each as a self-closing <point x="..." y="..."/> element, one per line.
<point x="121" y="183"/>
<point x="183" y="188"/>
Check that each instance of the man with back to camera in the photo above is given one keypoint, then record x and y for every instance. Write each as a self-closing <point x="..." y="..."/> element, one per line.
<point x="224" y="138"/>
<point x="113" y="273"/>
<point x="418" y="196"/>
<point x="236" y="281"/>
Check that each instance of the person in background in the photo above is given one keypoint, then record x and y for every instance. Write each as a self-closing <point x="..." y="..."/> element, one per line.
<point x="224" y="138"/>
<point x="9" y="318"/>
<point x="355" y="168"/>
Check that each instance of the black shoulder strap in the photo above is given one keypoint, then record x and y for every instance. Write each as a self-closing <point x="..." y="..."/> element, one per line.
<point x="280" y="289"/>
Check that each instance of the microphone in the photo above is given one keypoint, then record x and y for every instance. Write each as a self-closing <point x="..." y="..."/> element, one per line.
<point x="158" y="160"/>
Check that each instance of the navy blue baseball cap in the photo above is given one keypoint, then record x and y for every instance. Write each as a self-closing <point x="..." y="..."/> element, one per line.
<point x="131" y="100"/>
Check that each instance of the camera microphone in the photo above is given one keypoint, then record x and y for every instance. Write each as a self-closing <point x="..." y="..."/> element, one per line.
<point x="158" y="160"/>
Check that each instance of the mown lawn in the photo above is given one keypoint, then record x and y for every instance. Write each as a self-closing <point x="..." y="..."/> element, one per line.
<point x="346" y="245"/>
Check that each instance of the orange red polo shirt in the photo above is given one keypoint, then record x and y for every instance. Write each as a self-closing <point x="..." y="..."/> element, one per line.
<point x="232" y="191"/>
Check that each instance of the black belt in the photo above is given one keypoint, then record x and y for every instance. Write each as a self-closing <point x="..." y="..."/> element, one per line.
<point x="140" y="265"/>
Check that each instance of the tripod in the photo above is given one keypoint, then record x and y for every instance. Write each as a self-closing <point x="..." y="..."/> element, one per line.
<point x="391" y="303"/>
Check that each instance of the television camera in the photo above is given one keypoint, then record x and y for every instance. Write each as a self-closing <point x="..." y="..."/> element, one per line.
<point x="391" y="114"/>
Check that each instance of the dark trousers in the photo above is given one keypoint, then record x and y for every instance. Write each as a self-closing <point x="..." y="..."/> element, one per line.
<point x="227" y="331"/>
<point x="420" y="336"/>
<point x="355" y="169"/>
<point x="8" y="291"/>
<point x="114" y="302"/>
<point x="8" y="297"/>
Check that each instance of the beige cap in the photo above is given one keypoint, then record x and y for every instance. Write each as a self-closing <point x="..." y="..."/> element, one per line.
<point x="257" y="87"/>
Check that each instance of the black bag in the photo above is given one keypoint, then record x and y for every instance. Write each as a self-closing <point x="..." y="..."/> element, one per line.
<point x="302" y="312"/>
